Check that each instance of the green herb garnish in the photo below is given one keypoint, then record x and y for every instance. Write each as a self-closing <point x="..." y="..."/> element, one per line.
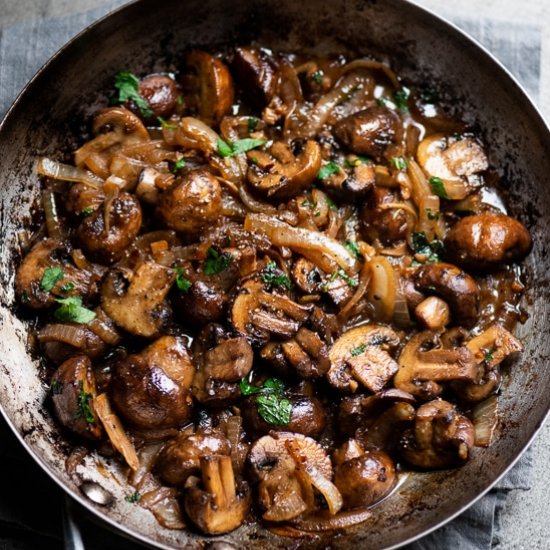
<point x="252" y="124"/>
<point x="400" y="163"/>
<point x="83" y="403"/>
<point x="67" y="287"/>
<point x="308" y="204"/>
<point x="166" y="124"/>
<point x="72" y="311"/>
<point x="50" y="278"/>
<point x="271" y="275"/>
<point x="489" y="355"/>
<point x="340" y="273"/>
<point x="401" y="98"/>
<point x="358" y="350"/>
<point x="353" y="248"/>
<point x="438" y="187"/>
<point x="433" y="251"/>
<point x="178" y="165"/>
<point x="215" y="262"/>
<point x="318" y="76"/>
<point x="87" y="212"/>
<point x="273" y="407"/>
<point x="179" y="100"/>
<point x="240" y="146"/>
<point x="331" y="204"/>
<point x="328" y="170"/>
<point x="384" y="102"/>
<point x="127" y="85"/>
<point x="433" y="215"/>
<point x="133" y="498"/>
<point x="182" y="282"/>
<point x="56" y="387"/>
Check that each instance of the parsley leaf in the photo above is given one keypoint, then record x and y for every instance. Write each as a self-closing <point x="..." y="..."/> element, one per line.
<point x="400" y="163"/>
<point x="328" y="170"/>
<point x="489" y="354"/>
<point x="215" y="262"/>
<point x="50" y="278"/>
<point x="67" y="287"/>
<point x="182" y="282"/>
<point x="433" y="251"/>
<point x="401" y="98"/>
<point x="317" y="76"/>
<point x="438" y="187"/>
<point x="240" y="146"/>
<point x="273" y="407"/>
<point x="252" y="124"/>
<point x="433" y="215"/>
<point x="83" y="403"/>
<point x="166" y="124"/>
<point x="353" y="248"/>
<point x="87" y="212"/>
<point x="358" y="350"/>
<point x="133" y="498"/>
<point x="127" y="85"/>
<point x="271" y="275"/>
<point x="56" y="387"/>
<point x="72" y="311"/>
<point x="178" y="165"/>
<point x="340" y="273"/>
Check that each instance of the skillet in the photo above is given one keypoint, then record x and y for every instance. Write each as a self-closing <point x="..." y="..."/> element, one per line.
<point x="148" y="35"/>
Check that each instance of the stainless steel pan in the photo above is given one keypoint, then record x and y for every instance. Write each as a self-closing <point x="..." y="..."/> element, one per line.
<point x="151" y="34"/>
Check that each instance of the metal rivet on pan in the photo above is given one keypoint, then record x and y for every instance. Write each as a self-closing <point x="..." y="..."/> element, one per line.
<point x="96" y="493"/>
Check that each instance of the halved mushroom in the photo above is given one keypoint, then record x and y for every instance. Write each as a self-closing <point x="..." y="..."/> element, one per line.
<point x="257" y="314"/>
<point x="135" y="300"/>
<point x="151" y="389"/>
<point x="222" y="363"/>
<point x="161" y="93"/>
<point x="126" y="125"/>
<point x="423" y="363"/>
<point x="213" y="86"/>
<point x="361" y="356"/>
<point x="455" y="162"/>
<point x="366" y="479"/>
<point x="109" y="231"/>
<point x="181" y="456"/>
<point x="487" y="240"/>
<point x="281" y="175"/>
<point x="47" y="255"/>
<point x="73" y="391"/>
<point x="192" y="204"/>
<point x="356" y="181"/>
<point x="459" y="290"/>
<point x="441" y="437"/>
<point x="219" y="504"/>
<point x="306" y="354"/>
<point x="370" y="132"/>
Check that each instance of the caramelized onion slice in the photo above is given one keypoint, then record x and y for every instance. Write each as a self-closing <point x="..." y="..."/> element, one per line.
<point x="64" y="172"/>
<point x="322" y="521"/>
<point x="485" y="420"/>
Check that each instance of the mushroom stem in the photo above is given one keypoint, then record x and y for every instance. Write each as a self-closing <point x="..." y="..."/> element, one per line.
<point x="212" y="479"/>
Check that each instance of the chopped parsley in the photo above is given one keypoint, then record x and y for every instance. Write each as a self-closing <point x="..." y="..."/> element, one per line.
<point x="272" y="406"/>
<point x="401" y="97"/>
<point x="215" y="262"/>
<point x="438" y="187"/>
<point x="165" y="124"/>
<point x="328" y="170"/>
<point x="87" y="212"/>
<point x="226" y="149"/>
<point x="384" y="102"/>
<point x="318" y="76"/>
<point x="51" y="276"/>
<point x="400" y="163"/>
<point x="67" y="287"/>
<point x="331" y="204"/>
<point x="127" y="85"/>
<point x="271" y="275"/>
<point x="357" y="161"/>
<point x="133" y="498"/>
<point x="489" y="355"/>
<point x="353" y="248"/>
<point x="433" y="215"/>
<point x="56" y="387"/>
<point x="182" y="282"/>
<point x="308" y="204"/>
<point x="178" y="165"/>
<point x="252" y="124"/>
<point x="83" y="405"/>
<point x="433" y="251"/>
<point x="340" y="273"/>
<point x="358" y="350"/>
<point x="72" y="311"/>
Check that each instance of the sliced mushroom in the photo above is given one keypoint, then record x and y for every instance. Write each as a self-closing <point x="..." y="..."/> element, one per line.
<point x="257" y="314"/>
<point x="135" y="300"/>
<point x="360" y="356"/>
<point x="44" y="255"/>
<point x="487" y="240"/>
<point x="456" y="163"/>
<point x="219" y="504"/>
<point x="281" y="175"/>
<point x="459" y="290"/>
<point x="433" y="313"/>
<point x="192" y="204"/>
<point x="423" y="364"/>
<point x="151" y="389"/>
<point x="73" y="391"/>
<point x="213" y="86"/>
<point x="181" y="456"/>
<point x="109" y="231"/>
<point x="121" y="121"/>
<point x="161" y="93"/>
<point x="366" y="479"/>
<point x="307" y="276"/>
<point x="441" y="437"/>
<point x="222" y="363"/>
<point x="370" y="132"/>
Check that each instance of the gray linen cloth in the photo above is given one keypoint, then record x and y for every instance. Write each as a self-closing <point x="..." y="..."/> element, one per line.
<point x="24" y="47"/>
